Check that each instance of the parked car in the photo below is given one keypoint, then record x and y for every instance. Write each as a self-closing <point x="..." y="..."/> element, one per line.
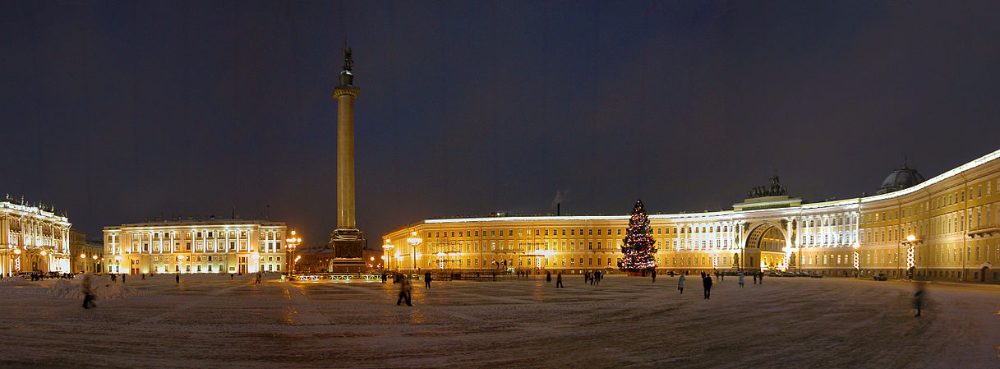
<point x="880" y="277"/>
<point x="815" y="275"/>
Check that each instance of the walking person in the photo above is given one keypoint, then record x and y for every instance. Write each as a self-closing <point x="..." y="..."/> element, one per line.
<point x="88" y="295"/>
<point x="427" y="280"/>
<point x="548" y="276"/>
<point x="123" y="278"/>
<point x="918" y="298"/>
<point x="707" y="282"/>
<point x="405" y="289"/>
<point x="761" y="278"/>
<point x="654" y="275"/>
<point x="559" y="280"/>
<point x="754" y="278"/>
<point x="680" y="284"/>
<point x="144" y="276"/>
<point x="741" y="279"/>
<point x="177" y="278"/>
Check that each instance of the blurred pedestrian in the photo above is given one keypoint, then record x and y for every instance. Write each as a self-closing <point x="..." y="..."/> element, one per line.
<point x="548" y="276"/>
<point x="680" y="284"/>
<point x="559" y="280"/>
<point x="654" y="275"/>
<point x="707" y="282"/>
<point x="177" y="278"/>
<point x="918" y="298"/>
<point x="427" y="280"/>
<point x="88" y="295"/>
<point x="405" y="289"/>
<point x="741" y="279"/>
<point x="761" y="278"/>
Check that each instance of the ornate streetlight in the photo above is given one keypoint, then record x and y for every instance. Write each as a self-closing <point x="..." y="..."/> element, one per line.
<point x="290" y="245"/>
<point x="857" y="259"/>
<point x="414" y="241"/>
<point x="386" y="247"/>
<point x="910" y="263"/>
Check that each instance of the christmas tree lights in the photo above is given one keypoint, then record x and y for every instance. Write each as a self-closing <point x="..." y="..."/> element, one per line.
<point x="637" y="246"/>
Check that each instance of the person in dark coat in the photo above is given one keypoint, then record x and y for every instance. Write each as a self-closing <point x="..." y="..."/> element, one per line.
<point x="707" y="282"/>
<point x="405" y="290"/>
<point x="548" y="276"/>
<point x="559" y="280"/>
<point x="427" y="280"/>
<point x="88" y="294"/>
<point x="654" y="275"/>
<point x="918" y="298"/>
<point x="177" y="278"/>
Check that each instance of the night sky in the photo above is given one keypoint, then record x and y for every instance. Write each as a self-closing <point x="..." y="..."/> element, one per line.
<point x="119" y="112"/>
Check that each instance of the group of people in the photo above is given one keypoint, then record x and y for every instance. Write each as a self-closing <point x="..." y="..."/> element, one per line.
<point x="594" y="278"/>
<point x="706" y="281"/>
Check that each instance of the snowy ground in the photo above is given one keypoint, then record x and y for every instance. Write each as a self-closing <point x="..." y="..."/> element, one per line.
<point x="212" y="321"/>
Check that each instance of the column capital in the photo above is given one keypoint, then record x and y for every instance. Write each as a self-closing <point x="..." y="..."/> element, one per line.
<point x="345" y="90"/>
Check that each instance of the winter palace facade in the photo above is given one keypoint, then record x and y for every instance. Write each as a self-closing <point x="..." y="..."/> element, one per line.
<point x="33" y="238"/>
<point x="195" y="246"/>
<point x="945" y="228"/>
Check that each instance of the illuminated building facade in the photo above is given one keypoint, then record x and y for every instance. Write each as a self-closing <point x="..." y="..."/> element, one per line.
<point x="32" y="238"/>
<point x="195" y="246"/>
<point x="86" y="256"/>
<point x="952" y="218"/>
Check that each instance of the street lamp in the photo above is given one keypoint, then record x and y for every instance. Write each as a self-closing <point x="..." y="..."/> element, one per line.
<point x="414" y="241"/>
<point x="909" y="255"/>
<point x="290" y="245"/>
<point x="385" y="251"/>
<point x="857" y="259"/>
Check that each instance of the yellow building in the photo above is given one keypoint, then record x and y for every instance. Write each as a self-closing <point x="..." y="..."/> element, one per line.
<point x="195" y="246"/>
<point x="32" y="238"/>
<point x="86" y="256"/>
<point x="952" y="218"/>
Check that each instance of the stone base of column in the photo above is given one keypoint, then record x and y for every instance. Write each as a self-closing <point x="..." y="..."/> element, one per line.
<point x="347" y="245"/>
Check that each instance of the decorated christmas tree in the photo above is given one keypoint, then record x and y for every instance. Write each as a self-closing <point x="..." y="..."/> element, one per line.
<point x="637" y="246"/>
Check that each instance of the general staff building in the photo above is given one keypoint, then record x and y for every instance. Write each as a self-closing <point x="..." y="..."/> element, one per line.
<point x="942" y="228"/>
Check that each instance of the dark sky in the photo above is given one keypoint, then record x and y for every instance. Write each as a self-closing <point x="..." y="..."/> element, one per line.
<point x="118" y="112"/>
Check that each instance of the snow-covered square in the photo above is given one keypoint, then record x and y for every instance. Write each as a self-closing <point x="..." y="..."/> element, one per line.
<point x="219" y="321"/>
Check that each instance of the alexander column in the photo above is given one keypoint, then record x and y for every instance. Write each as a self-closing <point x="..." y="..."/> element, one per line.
<point x="347" y="240"/>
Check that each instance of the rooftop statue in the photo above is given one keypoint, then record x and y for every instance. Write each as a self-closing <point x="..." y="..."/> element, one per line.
<point x="348" y="60"/>
<point x="775" y="189"/>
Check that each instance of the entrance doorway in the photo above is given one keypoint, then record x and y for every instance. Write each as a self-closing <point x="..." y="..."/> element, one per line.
<point x="764" y="248"/>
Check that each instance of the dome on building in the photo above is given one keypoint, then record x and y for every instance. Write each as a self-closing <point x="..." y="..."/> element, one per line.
<point x="900" y="179"/>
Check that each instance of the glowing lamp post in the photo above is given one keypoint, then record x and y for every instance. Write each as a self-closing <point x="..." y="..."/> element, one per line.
<point x="17" y="259"/>
<point x="385" y="252"/>
<point x="909" y="255"/>
<point x="414" y="241"/>
<point x="857" y="259"/>
<point x="290" y="245"/>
